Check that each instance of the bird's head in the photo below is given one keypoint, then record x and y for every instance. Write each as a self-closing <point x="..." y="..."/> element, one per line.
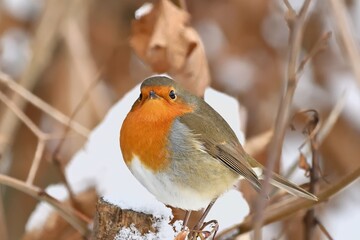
<point x="162" y="98"/>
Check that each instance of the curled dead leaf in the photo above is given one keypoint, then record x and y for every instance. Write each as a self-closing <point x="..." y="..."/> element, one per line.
<point x="303" y="164"/>
<point x="163" y="39"/>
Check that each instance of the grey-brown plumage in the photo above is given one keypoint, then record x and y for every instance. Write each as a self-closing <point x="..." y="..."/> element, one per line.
<point x="218" y="140"/>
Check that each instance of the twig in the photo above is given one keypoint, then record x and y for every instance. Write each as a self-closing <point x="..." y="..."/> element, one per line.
<point x="296" y="35"/>
<point x="55" y="155"/>
<point x="64" y="180"/>
<point x="323" y="229"/>
<point x="312" y="133"/>
<point x="286" y="208"/>
<point x="325" y="128"/>
<point x="36" y="161"/>
<point x="319" y="46"/>
<point x="31" y="125"/>
<point x="3" y="225"/>
<point x="21" y="115"/>
<point x="80" y="55"/>
<point x="332" y="118"/>
<point x="44" y="44"/>
<point x="75" y="219"/>
<point x="45" y="107"/>
<point x="310" y="214"/>
<point x="84" y="65"/>
<point x="42" y="137"/>
<point x="347" y="36"/>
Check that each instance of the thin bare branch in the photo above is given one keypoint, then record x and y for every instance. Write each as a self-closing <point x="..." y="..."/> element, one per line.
<point x="57" y="163"/>
<point x="44" y="43"/>
<point x="282" y="119"/>
<point x="346" y="34"/>
<point x="21" y="115"/>
<point x="289" y="7"/>
<point x="36" y="101"/>
<point x="287" y="207"/>
<point x="85" y="66"/>
<point x="329" y="123"/>
<point x="319" y="46"/>
<point x="36" y="161"/>
<point x="75" y="219"/>
<point x="310" y="214"/>
<point x="41" y="136"/>
<point x="323" y="229"/>
<point x="324" y="130"/>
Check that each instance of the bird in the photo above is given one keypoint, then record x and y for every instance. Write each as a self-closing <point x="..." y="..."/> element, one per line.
<point x="184" y="152"/>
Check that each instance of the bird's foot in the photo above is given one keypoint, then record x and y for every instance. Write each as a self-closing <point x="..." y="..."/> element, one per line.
<point x="206" y="231"/>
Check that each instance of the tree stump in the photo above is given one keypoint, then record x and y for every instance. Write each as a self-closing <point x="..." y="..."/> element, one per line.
<point x="109" y="219"/>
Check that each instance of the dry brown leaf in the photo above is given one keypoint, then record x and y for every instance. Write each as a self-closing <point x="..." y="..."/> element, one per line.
<point x="303" y="164"/>
<point x="164" y="40"/>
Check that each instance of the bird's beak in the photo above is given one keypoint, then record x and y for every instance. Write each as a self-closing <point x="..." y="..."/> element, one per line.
<point x="152" y="95"/>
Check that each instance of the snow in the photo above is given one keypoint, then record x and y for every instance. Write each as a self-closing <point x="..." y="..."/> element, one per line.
<point x="342" y="217"/>
<point x="165" y="231"/>
<point x="339" y="83"/>
<point x="236" y="74"/>
<point x="15" y="51"/>
<point x="99" y="164"/>
<point x="23" y="9"/>
<point x="143" y="10"/>
<point x="212" y="37"/>
<point x="43" y="210"/>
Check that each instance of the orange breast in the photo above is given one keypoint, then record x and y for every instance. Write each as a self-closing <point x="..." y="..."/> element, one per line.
<point x="145" y="131"/>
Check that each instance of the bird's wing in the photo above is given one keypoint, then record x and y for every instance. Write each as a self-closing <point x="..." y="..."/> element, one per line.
<point x="220" y="141"/>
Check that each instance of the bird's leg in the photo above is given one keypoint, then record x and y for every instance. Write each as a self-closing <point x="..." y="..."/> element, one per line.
<point x="203" y="216"/>
<point x="186" y="219"/>
<point x="200" y="223"/>
<point x="215" y="228"/>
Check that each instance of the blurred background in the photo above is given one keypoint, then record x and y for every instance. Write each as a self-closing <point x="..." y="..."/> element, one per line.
<point x="64" y="50"/>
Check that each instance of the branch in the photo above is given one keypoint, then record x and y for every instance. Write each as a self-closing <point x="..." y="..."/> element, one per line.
<point x="323" y="229"/>
<point x="347" y="36"/>
<point x="21" y="115"/>
<point x="319" y="46"/>
<point x="84" y="65"/>
<point x="75" y="219"/>
<point x="39" y="152"/>
<point x="42" y="137"/>
<point x="296" y="35"/>
<point x="44" y="43"/>
<point x="288" y="207"/>
<point x="45" y="107"/>
<point x="309" y="218"/>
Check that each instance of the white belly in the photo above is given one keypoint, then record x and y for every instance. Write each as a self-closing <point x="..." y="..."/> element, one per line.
<point x="167" y="191"/>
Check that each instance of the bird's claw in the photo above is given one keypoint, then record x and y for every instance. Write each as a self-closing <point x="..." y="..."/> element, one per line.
<point x="207" y="230"/>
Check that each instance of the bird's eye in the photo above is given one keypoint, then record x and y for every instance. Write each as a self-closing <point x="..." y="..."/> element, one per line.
<point x="172" y="94"/>
<point x="140" y="96"/>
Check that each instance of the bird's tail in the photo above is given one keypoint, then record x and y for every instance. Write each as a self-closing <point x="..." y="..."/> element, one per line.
<point x="282" y="183"/>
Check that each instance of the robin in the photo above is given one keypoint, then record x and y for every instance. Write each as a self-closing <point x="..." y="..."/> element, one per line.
<point x="184" y="152"/>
